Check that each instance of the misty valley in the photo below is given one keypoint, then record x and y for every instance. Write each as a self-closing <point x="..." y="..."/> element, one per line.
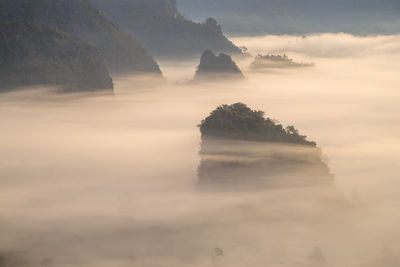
<point x="133" y="135"/>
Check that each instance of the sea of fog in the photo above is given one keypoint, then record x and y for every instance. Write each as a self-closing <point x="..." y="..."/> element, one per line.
<point x="111" y="180"/>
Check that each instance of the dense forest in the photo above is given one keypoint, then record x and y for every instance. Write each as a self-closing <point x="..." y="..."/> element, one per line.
<point x="238" y="121"/>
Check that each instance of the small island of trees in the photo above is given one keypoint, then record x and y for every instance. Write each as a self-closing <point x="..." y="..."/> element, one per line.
<point x="238" y="121"/>
<point x="241" y="148"/>
<point x="276" y="61"/>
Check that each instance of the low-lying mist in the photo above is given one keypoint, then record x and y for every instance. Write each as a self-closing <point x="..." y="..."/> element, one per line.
<point x="111" y="180"/>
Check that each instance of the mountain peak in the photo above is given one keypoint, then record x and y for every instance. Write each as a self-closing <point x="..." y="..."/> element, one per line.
<point x="213" y="66"/>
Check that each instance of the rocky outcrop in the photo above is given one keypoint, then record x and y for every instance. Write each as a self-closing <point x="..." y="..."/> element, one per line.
<point x="81" y="19"/>
<point x="163" y="30"/>
<point x="32" y="55"/>
<point x="242" y="149"/>
<point x="214" y="67"/>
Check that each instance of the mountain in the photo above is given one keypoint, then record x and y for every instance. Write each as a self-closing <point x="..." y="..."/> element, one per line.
<point x="255" y="17"/>
<point x="33" y="55"/>
<point x="163" y="30"/>
<point x="240" y="148"/>
<point x="81" y="19"/>
<point x="214" y="67"/>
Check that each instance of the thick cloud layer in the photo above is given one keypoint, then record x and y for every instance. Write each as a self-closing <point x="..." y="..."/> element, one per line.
<point x="112" y="180"/>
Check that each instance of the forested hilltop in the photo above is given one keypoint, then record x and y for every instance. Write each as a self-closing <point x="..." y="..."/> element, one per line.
<point x="163" y="30"/>
<point x="240" y="148"/>
<point x="81" y="19"/>
<point x="255" y="17"/>
<point x="33" y="55"/>
<point x="238" y="121"/>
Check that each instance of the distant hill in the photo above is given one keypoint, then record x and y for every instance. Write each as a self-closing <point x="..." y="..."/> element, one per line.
<point x="163" y="30"/>
<point x="265" y="62"/>
<point x="33" y="55"/>
<point x="81" y="19"/>
<point x="213" y="67"/>
<point x="254" y="17"/>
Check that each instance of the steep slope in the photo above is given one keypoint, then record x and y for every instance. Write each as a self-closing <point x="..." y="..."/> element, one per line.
<point x="38" y="55"/>
<point x="79" y="18"/>
<point x="163" y="30"/>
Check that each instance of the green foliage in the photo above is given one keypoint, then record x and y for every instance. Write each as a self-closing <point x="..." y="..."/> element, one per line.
<point x="33" y="54"/>
<point x="238" y="121"/>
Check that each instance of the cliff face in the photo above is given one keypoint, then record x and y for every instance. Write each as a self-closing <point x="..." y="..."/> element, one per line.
<point x="79" y="18"/>
<point x="214" y="67"/>
<point x="38" y="55"/>
<point x="163" y="30"/>
<point x="242" y="149"/>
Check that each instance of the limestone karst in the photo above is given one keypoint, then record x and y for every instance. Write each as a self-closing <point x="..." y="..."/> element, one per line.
<point x="213" y="67"/>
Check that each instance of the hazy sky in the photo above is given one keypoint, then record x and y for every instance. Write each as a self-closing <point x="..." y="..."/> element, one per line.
<point x="111" y="180"/>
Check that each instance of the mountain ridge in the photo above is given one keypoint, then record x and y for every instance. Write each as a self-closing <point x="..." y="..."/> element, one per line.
<point x="81" y="19"/>
<point x="258" y="17"/>
<point x="163" y="30"/>
<point x="33" y="55"/>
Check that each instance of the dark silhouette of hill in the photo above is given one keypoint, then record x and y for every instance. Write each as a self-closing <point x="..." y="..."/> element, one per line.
<point x="239" y="122"/>
<point x="241" y="148"/>
<point x="81" y="19"/>
<point x="33" y="55"/>
<point x="262" y="62"/>
<point x="298" y="16"/>
<point x="163" y="30"/>
<point x="214" y="67"/>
